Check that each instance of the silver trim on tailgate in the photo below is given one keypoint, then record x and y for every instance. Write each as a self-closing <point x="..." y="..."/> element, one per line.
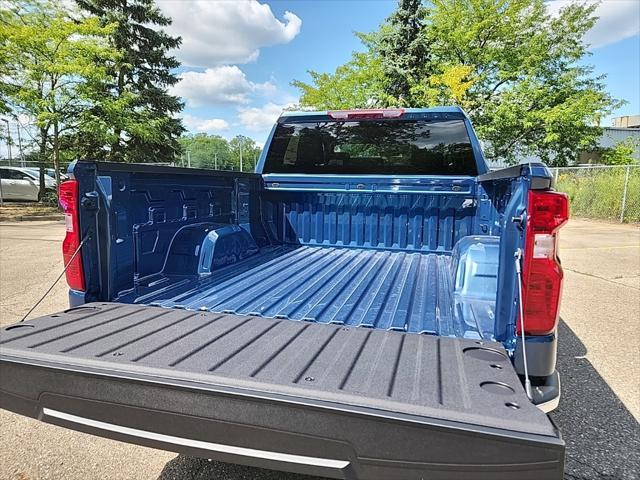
<point x="214" y="447"/>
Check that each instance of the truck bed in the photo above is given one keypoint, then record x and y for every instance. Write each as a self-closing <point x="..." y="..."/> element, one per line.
<point x="313" y="398"/>
<point x="387" y="290"/>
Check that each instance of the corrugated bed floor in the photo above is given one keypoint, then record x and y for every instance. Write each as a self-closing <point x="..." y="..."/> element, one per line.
<point x="385" y="290"/>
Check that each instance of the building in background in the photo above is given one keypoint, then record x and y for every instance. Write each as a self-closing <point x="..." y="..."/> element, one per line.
<point x="622" y="128"/>
<point x="629" y="121"/>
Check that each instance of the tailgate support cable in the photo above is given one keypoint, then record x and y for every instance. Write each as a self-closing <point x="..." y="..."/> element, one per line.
<point x="57" y="279"/>
<point x="527" y="381"/>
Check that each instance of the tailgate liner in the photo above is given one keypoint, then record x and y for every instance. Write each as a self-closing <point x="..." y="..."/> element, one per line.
<point x="312" y="398"/>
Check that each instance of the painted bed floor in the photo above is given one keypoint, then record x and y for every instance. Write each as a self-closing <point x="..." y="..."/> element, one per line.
<point x="387" y="290"/>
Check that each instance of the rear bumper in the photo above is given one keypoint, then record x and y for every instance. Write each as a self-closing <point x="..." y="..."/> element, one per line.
<point x="546" y="392"/>
<point x="541" y="362"/>
<point x="550" y="405"/>
<point x="289" y="434"/>
<point x="541" y="355"/>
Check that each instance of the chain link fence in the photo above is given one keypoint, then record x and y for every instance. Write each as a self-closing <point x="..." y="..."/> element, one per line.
<point x="602" y="192"/>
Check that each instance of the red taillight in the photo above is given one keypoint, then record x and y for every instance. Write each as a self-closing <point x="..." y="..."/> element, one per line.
<point x="541" y="271"/>
<point x="68" y="198"/>
<point x="365" y="114"/>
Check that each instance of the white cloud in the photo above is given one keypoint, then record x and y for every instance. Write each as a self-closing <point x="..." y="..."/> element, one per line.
<point x="219" y="85"/>
<point x="213" y="124"/>
<point x="262" y="118"/>
<point x="203" y="124"/>
<point x="230" y="31"/>
<point x="618" y="19"/>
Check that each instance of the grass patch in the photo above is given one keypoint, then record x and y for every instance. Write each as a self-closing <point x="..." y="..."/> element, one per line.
<point x="597" y="193"/>
<point x="18" y="210"/>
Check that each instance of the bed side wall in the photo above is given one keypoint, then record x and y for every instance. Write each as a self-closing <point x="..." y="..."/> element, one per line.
<point x="135" y="213"/>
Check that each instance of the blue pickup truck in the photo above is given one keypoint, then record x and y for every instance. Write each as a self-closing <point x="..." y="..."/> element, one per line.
<point x="373" y="303"/>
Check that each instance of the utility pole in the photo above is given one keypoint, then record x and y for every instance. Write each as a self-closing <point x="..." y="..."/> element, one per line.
<point x="20" y="147"/>
<point x="8" y="139"/>
<point x="189" y="158"/>
<point x="240" y="153"/>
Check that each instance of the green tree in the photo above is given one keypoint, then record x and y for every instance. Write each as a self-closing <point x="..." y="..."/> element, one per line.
<point x="357" y="84"/>
<point x="517" y="71"/>
<point x="134" y="117"/>
<point x="6" y="19"/>
<point x="214" y="151"/>
<point x="52" y="59"/>
<point x="206" y="151"/>
<point x="244" y="153"/>
<point x="621" y="153"/>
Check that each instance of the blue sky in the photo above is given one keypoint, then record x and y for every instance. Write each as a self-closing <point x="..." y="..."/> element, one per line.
<point x="239" y="57"/>
<point x="322" y="40"/>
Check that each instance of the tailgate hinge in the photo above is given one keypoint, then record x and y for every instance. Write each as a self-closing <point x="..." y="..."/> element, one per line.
<point x="90" y="201"/>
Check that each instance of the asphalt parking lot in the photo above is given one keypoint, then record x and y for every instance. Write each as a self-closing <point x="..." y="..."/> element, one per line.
<point x="599" y="361"/>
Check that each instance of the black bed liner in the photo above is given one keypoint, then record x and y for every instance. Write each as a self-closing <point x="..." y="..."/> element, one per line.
<point x="322" y="399"/>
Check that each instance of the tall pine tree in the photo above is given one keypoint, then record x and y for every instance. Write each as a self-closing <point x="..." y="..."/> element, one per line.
<point x="133" y="119"/>
<point x="403" y="49"/>
<point x="387" y="74"/>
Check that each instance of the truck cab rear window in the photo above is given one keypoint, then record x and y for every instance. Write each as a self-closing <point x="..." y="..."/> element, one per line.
<point x="397" y="147"/>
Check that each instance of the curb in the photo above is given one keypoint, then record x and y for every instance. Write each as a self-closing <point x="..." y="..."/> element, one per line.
<point x="32" y="218"/>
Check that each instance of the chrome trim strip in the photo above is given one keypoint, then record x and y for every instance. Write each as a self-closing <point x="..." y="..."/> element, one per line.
<point x="186" y="442"/>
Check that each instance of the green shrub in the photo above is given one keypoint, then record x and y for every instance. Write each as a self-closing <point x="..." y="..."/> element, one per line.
<point x="50" y="198"/>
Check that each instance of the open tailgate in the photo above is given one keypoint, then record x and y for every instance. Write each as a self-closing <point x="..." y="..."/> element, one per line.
<point x="321" y="399"/>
